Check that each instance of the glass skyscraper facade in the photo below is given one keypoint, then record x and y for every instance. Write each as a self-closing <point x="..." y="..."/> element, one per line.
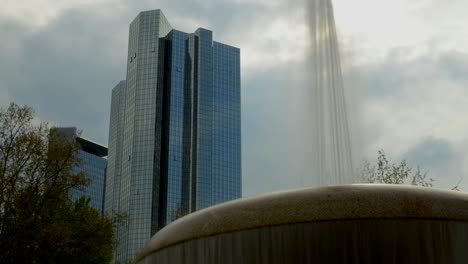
<point x="174" y="137"/>
<point x="93" y="165"/>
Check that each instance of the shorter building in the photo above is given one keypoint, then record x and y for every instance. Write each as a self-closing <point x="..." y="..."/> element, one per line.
<point x="93" y="165"/>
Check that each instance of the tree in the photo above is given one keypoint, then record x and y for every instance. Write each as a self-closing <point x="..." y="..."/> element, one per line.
<point x="38" y="221"/>
<point x="390" y="173"/>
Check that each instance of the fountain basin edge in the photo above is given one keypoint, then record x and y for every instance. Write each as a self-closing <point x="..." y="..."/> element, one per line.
<point x="333" y="204"/>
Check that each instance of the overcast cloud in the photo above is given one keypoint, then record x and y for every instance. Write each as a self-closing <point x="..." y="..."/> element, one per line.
<point x="406" y="64"/>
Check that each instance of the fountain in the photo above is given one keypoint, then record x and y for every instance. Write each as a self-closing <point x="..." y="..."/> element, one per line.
<point x="331" y="224"/>
<point x="336" y="224"/>
<point x="326" y="107"/>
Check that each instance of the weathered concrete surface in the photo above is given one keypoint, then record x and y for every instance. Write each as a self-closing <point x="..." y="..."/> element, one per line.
<point x="346" y="209"/>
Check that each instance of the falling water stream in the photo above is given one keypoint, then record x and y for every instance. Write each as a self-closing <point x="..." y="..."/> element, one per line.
<point x="326" y="109"/>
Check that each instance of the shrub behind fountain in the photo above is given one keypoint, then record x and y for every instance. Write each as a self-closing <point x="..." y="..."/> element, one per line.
<point x="339" y="224"/>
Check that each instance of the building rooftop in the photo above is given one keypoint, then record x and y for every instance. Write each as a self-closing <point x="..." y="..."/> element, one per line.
<point x="92" y="147"/>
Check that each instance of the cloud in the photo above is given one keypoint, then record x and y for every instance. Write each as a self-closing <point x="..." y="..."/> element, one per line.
<point x="415" y="107"/>
<point x="65" y="62"/>
<point x="10" y="54"/>
<point x="65" y="66"/>
<point x="67" y="69"/>
<point x="26" y="12"/>
<point x="264" y="30"/>
<point x="272" y="152"/>
<point x="374" y="27"/>
<point x="409" y="77"/>
<point x="442" y="160"/>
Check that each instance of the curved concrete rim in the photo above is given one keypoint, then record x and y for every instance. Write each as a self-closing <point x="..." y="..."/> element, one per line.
<point x="333" y="203"/>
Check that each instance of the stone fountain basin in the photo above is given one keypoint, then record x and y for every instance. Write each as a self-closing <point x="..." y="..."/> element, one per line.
<point x="336" y="224"/>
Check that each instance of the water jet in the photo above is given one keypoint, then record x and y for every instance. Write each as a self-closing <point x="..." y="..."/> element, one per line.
<point x="326" y="114"/>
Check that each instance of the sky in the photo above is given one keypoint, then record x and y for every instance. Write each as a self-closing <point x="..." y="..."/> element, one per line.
<point x="405" y="65"/>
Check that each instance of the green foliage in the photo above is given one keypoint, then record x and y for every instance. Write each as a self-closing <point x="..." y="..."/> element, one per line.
<point x="390" y="173"/>
<point x="178" y="213"/>
<point x="38" y="222"/>
<point x="85" y="236"/>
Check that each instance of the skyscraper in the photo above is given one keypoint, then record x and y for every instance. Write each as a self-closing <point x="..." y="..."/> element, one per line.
<point x="174" y="138"/>
<point x="93" y="165"/>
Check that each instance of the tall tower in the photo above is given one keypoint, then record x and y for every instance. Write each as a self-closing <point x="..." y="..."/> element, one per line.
<point x="174" y="137"/>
